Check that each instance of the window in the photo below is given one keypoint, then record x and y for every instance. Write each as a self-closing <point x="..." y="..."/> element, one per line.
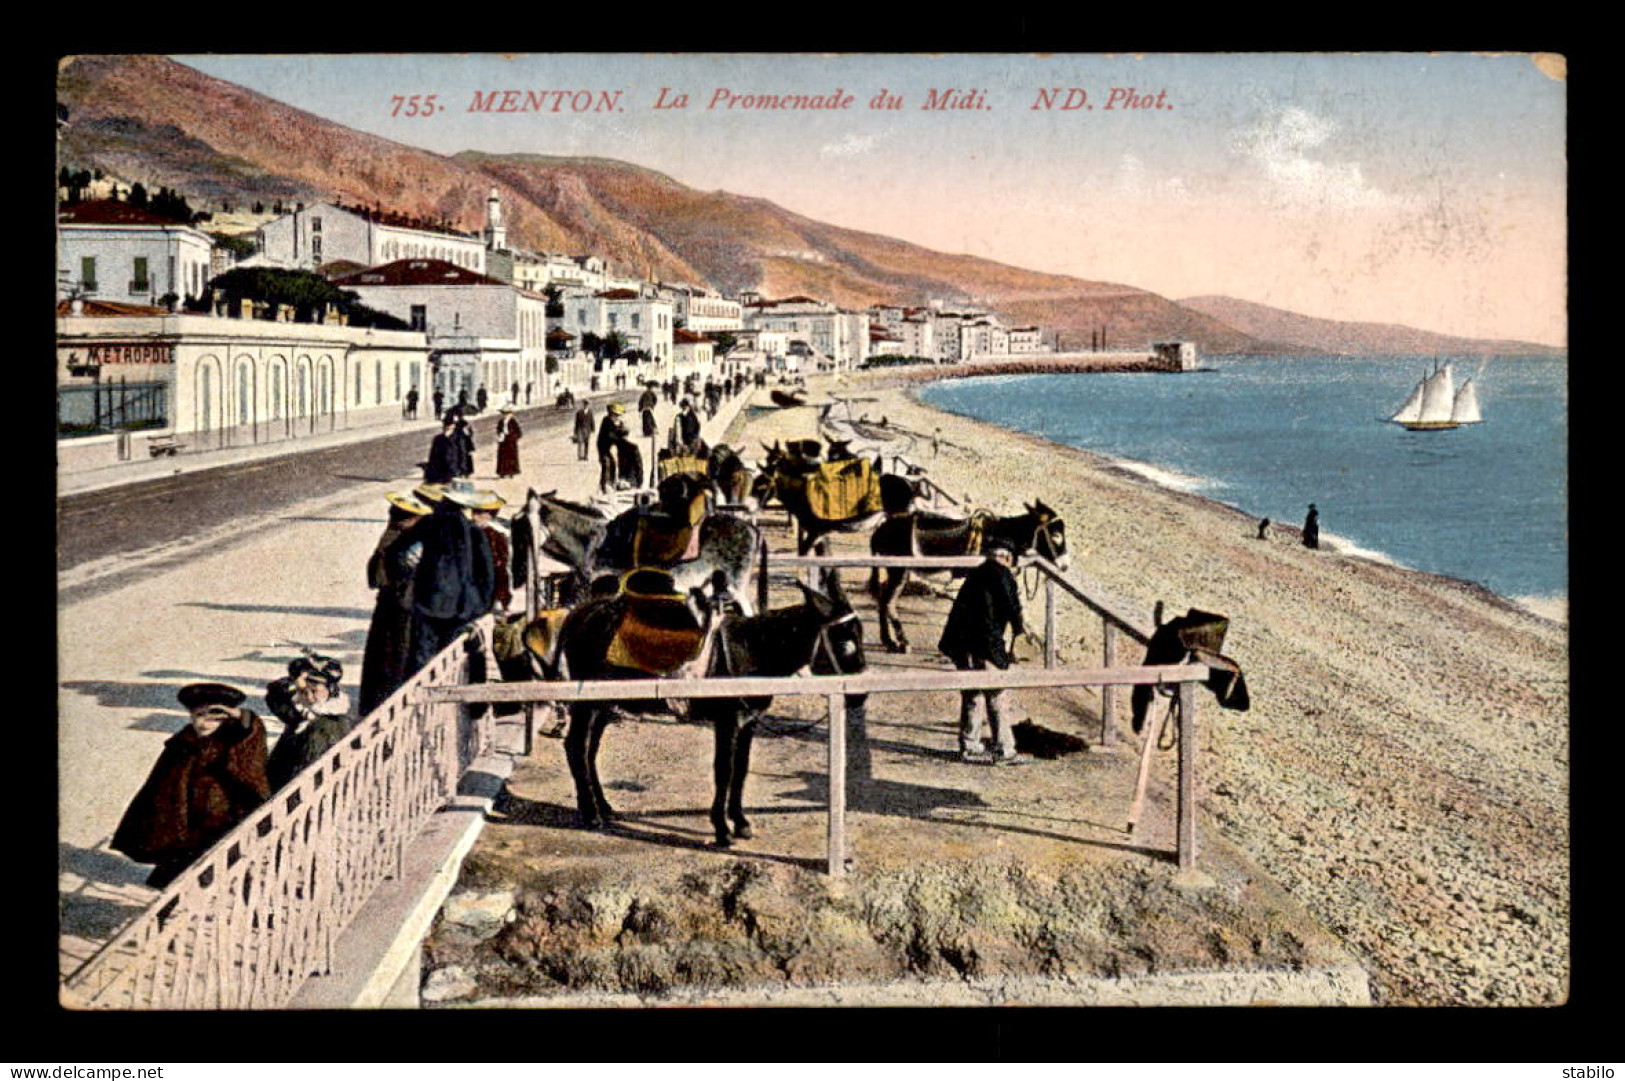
<point x="139" y="282"/>
<point x="87" y="273"/>
<point x="636" y="320"/>
<point x="316" y="225"/>
<point x="420" y="317"/>
<point x="316" y="248"/>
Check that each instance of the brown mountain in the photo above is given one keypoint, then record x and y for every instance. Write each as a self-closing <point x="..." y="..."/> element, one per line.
<point x="151" y="119"/>
<point x="1310" y="335"/>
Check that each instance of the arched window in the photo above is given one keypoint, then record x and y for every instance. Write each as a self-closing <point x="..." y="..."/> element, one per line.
<point x="245" y="392"/>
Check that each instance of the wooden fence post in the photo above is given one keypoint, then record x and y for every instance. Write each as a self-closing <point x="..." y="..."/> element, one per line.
<point x="1108" y="694"/>
<point x="761" y="581"/>
<point x="837" y="785"/>
<point x="1049" y="622"/>
<point x="1187" y="777"/>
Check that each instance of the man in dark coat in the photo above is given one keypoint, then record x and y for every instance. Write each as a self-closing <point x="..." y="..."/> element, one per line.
<point x="444" y="455"/>
<point x="464" y="438"/>
<point x="583" y="431"/>
<point x="611" y="433"/>
<point x="314" y="711"/>
<point x="1311" y="528"/>
<point x="973" y="638"/>
<point x="455" y="580"/>
<point x="688" y="426"/>
<point x="210" y="776"/>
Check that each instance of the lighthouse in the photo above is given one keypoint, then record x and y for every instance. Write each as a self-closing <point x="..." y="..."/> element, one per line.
<point x="496" y="234"/>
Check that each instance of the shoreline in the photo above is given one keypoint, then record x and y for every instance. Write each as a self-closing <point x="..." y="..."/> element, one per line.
<point x="1550" y="607"/>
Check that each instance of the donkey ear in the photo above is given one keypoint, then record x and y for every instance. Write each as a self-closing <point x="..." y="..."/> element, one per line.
<point x="817" y="601"/>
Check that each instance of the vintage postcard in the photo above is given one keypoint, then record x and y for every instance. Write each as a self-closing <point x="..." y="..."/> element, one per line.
<point x="648" y="530"/>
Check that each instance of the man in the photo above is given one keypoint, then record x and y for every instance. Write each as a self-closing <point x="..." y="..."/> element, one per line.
<point x="688" y="426"/>
<point x="210" y="776"/>
<point x="455" y="579"/>
<point x="483" y="512"/>
<point x="445" y="455"/>
<point x="973" y="638"/>
<point x="583" y="431"/>
<point x="412" y="403"/>
<point x="1311" y="528"/>
<point x="314" y="711"/>
<point x="611" y="433"/>
<point x="439" y="403"/>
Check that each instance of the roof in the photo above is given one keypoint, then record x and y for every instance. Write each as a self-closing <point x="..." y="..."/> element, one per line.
<point x="338" y="268"/>
<point x="112" y="212"/>
<point x="380" y="216"/>
<point x="881" y="334"/>
<point x="618" y="294"/>
<point x="557" y="335"/>
<point x="106" y="308"/>
<point x="417" y="272"/>
<point x="684" y="336"/>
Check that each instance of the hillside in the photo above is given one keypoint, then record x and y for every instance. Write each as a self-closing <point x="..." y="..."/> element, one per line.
<point x="1306" y="334"/>
<point x="151" y="119"/>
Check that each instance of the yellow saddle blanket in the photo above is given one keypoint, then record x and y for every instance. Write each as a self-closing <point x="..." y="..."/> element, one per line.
<point x="540" y="635"/>
<point x="842" y="490"/>
<point x="659" y="540"/>
<point x="683" y="463"/>
<point x="659" y="632"/>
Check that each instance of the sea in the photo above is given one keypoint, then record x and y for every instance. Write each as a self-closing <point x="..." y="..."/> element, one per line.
<point x="1486" y="502"/>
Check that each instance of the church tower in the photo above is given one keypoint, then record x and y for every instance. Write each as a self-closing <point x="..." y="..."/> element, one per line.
<point x="496" y="234"/>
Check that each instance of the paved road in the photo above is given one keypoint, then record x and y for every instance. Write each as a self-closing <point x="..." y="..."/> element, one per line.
<point x="97" y="530"/>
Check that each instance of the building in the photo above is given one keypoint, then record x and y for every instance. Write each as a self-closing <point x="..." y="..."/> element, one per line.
<point x="481" y="332"/>
<point x="643" y="323"/>
<point x="115" y="251"/>
<point x="213" y="382"/>
<point x="692" y="354"/>
<point x="702" y="310"/>
<point x="310" y="237"/>
<point x="834" y="339"/>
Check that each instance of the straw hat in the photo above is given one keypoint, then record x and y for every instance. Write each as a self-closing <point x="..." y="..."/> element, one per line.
<point x="485" y="499"/>
<point x="408" y="502"/>
<point x="430" y="493"/>
<point x="617" y="408"/>
<point x="462" y="493"/>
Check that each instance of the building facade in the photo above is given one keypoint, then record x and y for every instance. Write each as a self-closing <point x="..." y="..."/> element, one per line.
<point x="109" y="250"/>
<point x="324" y="233"/>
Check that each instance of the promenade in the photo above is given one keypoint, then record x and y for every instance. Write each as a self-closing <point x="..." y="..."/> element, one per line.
<point x="234" y="613"/>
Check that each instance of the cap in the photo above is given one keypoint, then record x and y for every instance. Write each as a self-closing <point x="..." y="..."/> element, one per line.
<point x="198" y="695"/>
<point x="998" y="544"/>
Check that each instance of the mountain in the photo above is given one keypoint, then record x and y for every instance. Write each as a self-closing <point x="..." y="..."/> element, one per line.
<point x="151" y="119"/>
<point x="1306" y="334"/>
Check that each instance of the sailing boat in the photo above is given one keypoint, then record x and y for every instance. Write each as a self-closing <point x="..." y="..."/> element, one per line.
<point x="1436" y="405"/>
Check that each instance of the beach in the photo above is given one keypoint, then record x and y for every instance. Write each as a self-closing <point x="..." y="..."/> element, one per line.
<point x="1403" y="770"/>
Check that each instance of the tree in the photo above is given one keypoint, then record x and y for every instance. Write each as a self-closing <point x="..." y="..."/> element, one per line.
<point x="723" y="342"/>
<point x="138" y="194"/>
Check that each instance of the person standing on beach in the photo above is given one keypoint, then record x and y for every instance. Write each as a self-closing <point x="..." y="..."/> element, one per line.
<point x="1311" y="528"/>
<point x="973" y="638"/>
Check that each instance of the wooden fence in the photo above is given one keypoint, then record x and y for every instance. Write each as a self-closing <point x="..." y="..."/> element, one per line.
<point x="260" y="912"/>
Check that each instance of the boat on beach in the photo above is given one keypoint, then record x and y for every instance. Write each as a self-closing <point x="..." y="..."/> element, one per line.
<point x="1437" y="405"/>
<point x="787" y="401"/>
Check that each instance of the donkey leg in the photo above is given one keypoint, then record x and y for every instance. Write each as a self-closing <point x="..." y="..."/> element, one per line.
<point x="576" y="741"/>
<point x="605" y="813"/>
<point x="741" y="768"/>
<point x="892" y="635"/>
<point x="722" y="762"/>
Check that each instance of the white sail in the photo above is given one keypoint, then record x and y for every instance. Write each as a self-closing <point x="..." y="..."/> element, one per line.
<point x="1465" y="410"/>
<point x="1438" y="397"/>
<point x="1412" y="409"/>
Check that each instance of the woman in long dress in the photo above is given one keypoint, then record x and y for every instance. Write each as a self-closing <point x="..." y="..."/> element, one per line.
<point x="508" y="433"/>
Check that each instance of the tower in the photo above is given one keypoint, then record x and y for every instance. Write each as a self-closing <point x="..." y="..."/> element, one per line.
<point x="496" y="234"/>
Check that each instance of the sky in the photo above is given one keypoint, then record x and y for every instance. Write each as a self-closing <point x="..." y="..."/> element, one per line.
<point x="1422" y="189"/>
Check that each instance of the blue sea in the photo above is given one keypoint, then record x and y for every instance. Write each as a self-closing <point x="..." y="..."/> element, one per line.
<point x="1487" y="502"/>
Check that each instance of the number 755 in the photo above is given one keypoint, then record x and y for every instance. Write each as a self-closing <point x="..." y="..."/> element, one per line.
<point x="416" y="105"/>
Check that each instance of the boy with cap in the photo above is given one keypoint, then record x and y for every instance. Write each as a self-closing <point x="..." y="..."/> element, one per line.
<point x="210" y="776"/>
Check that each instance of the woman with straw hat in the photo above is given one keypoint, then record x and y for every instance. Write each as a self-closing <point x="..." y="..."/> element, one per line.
<point x="390" y="570"/>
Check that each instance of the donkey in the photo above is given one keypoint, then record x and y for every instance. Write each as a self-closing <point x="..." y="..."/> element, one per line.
<point x="821" y="634"/>
<point x="730" y="476"/>
<point x="785" y="479"/>
<point x="1039" y="530"/>
<point x="595" y="545"/>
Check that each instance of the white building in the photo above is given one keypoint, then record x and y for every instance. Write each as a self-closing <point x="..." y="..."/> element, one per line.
<point x="218" y="382"/>
<point x="314" y="236"/>
<point x="482" y="332"/>
<point x="838" y="340"/>
<point x="578" y="273"/>
<point x="110" y="250"/>
<point x="643" y="322"/>
<point x="702" y="310"/>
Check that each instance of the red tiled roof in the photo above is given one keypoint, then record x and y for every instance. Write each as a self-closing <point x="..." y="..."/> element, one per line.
<point x="684" y="336"/>
<point x="618" y="294"/>
<point x="417" y="272"/>
<point x="557" y="335"/>
<point x="111" y="212"/>
<point x="103" y="308"/>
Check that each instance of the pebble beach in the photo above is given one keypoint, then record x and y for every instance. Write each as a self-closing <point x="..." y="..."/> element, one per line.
<point x="1403" y="771"/>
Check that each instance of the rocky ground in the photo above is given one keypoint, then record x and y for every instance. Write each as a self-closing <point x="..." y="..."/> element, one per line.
<point x="1402" y="778"/>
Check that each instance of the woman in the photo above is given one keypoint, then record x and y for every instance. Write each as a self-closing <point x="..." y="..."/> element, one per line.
<point x="384" y="665"/>
<point x="508" y="433"/>
<point x="315" y="713"/>
<point x="209" y="778"/>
